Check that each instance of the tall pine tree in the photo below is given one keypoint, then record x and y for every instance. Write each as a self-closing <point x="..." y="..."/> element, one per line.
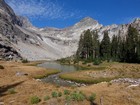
<point x="80" y="49"/>
<point x="88" y="44"/>
<point x="121" y="48"/>
<point x="85" y="48"/>
<point x="105" y="47"/>
<point x="96" y="45"/>
<point x="114" y="48"/>
<point x="131" y="44"/>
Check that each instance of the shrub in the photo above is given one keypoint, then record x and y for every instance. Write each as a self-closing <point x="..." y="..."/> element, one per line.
<point x="11" y="91"/>
<point x="77" y="96"/>
<point x="68" y="98"/>
<point x="25" y="61"/>
<point x="46" y="98"/>
<point x="35" y="100"/>
<point x="92" y="97"/>
<point x="59" y="94"/>
<point x="84" y="63"/>
<point x="1" y="67"/>
<point x="97" y="62"/>
<point x="66" y="92"/>
<point x="54" y="94"/>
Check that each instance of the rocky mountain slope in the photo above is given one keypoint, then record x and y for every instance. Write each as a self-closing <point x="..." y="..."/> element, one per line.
<point x="13" y="35"/>
<point x="46" y="43"/>
<point x="8" y="31"/>
<point x="66" y="40"/>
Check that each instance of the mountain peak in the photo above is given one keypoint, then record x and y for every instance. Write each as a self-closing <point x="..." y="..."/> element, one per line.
<point x="87" y="22"/>
<point x="136" y="20"/>
<point x="88" y="19"/>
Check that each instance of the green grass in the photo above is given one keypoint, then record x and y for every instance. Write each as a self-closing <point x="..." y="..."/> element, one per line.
<point x="123" y="70"/>
<point x="66" y="92"/>
<point x="34" y="63"/>
<point x="48" y="72"/>
<point x="92" y="97"/>
<point x="54" y="94"/>
<point x="25" y="61"/>
<point x="85" y="80"/>
<point x="68" y="98"/>
<point x="92" y="67"/>
<point x="77" y="96"/>
<point x="59" y="94"/>
<point x="35" y="100"/>
<point x="46" y="98"/>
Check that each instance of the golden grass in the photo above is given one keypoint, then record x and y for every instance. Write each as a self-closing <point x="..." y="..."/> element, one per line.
<point x="115" y="94"/>
<point x="46" y="74"/>
<point x="33" y="63"/>
<point x="39" y="72"/>
<point x="118" y="70"/>
<point x="84" y="79"/>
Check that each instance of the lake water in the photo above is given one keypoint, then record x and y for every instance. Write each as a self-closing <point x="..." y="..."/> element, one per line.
<point x="58" y="66"/>
<point x="63" y="68"/>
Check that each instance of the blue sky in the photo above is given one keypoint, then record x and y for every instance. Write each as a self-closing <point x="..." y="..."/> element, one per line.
<point x="64" y="13"/>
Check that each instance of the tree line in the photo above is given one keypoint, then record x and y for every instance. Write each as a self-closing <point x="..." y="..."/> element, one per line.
<point x="120" y="48"/>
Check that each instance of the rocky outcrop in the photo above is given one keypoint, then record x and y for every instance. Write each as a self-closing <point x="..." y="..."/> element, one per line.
<point x="24" y="22"/>
<point x="8" y="21"/>
<point x="7" y="52"/>
<point x="7" y="13"/>
<point x="12" y="29"/>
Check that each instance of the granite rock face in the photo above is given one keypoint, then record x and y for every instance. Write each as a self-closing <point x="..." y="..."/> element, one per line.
<point x="7" y="52"/>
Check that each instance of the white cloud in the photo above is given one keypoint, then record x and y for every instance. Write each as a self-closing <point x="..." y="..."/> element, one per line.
<point x="40" y="9"/>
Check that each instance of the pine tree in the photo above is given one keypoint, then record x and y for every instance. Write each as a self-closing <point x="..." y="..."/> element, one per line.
<point x="80" y="48"/>
<point x="121" y="49"/>
<point x="85" y="48"/>
<point x="96" y="45"/>
<point x="138" y="50"/>
<point x="88" y="44"/>
<point x="105" y="47"/>
<point x="131" y="43"/>
<point x="114" y="48"/>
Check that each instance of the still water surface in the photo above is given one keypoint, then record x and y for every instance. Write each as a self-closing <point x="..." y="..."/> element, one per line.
<point x="63" y="68"/>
